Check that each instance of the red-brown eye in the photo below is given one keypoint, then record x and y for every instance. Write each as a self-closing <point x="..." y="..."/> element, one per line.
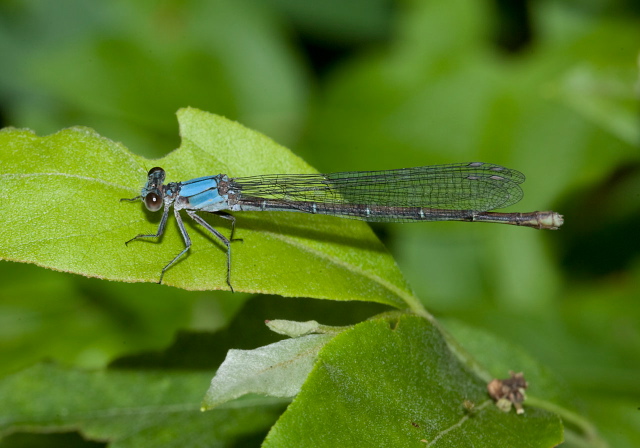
<point x="153" y="202"/>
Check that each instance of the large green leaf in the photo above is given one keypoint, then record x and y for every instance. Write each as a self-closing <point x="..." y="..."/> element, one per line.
<point x="61" y="209"/>
<point x="394" y="382"/>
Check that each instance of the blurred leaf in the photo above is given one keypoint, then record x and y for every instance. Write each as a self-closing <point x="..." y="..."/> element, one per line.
<point x="276" y="370"/>
<point x="395" y="383"/>
<point x="403" y="101"/>
<point x="337" y="21"/>
<point x="126" y="408"/>
<point x="82" y="322"/>
<point x="437" y="96"/>
<point x="59" y="440"/>
<point x="617" y="416"/>
<point x="602" y="338"/>
<point x="609" y="99"/>
<point x="77" y="178"/>
<point x="124" y="67"/>
<point x="87" y="322"/>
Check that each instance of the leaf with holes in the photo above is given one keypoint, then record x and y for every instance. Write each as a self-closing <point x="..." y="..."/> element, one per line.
<point x="61" y="209"/>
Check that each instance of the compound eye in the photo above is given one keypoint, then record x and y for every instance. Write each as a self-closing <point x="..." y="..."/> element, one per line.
<point x="155" y="170"/>
<point x="153" y="202"/>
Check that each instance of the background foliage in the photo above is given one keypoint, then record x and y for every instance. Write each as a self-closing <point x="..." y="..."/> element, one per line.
<point x="549" y="88"/>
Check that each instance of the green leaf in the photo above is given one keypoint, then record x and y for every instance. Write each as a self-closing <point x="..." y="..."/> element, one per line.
<point x="127" y="408"/>
<point x="394" y="382"/>
<point x="277" y="370"/>
<point x="68" y="186"/>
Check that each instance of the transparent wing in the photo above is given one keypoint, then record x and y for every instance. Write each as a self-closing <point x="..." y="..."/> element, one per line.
<point x="473" y="186"/>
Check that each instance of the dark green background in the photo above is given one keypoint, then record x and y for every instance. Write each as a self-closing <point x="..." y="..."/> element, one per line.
<point x="549" y="88"/>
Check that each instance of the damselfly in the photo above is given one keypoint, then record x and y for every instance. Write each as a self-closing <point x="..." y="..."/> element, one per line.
<point x="456" y="192"/>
